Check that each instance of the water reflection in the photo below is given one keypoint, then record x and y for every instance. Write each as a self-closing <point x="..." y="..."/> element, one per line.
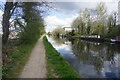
<point x="89" y="59"/>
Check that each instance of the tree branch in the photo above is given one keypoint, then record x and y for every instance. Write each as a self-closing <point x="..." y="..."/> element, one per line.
<point x="20" y="24"/>
<point x="14" y="5"/>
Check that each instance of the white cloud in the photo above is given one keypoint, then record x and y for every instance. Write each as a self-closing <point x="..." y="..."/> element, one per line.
<point x="74" y="7"/>
<point x="53" y="21"/>
<point x="1" y="13"/>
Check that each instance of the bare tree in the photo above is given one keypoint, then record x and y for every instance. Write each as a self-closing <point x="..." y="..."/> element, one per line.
<point x="8" y="11"/>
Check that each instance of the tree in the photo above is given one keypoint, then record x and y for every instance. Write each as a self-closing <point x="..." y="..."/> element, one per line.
<point x="101" y="13"/>
<point x="87" y="20"/>
<point x="58" y="31"/>
<point x="34" y="22"/>
<point x="30" y="12"/>
<point x="24" y="19"/>
<point x="8" y="11"/>
<point x="98" y="28"/>
<point x="114" y="20"/>
<point x="82" y="22"/>
<point x="110" y="23"/>
<point x="75" y="24"/>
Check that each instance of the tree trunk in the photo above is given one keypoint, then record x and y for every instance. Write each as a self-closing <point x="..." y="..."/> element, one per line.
<point x="5" y="23"/>
<point x="5" y="27"/>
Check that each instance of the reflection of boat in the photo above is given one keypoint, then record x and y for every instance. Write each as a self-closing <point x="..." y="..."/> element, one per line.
<point x="115" y="41"/>
<point x="91" y="42"/>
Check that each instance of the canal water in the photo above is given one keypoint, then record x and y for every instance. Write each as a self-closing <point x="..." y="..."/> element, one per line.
<point x="90" y="59"/>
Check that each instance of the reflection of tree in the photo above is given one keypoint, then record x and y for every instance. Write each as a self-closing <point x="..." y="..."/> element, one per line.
<point x="111" y="51"/>
<point x="98" y="63"/>
<point x="96" y="48"/>
<point x="79" y="49"/>
<point x="94" y="54"/>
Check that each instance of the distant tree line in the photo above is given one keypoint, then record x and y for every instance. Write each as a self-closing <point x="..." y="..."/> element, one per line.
<point x="97" y="22"/>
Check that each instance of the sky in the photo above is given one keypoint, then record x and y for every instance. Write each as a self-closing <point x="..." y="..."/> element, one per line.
<point x="1" y="21"/>
<point x="66" y="12"/>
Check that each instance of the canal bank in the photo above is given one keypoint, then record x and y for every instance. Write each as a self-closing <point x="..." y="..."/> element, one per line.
<point x="57" y="66"/>
<point x="99" y="60"/>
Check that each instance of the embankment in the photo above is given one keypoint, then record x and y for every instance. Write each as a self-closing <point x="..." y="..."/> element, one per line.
<point x="57" y="66"/>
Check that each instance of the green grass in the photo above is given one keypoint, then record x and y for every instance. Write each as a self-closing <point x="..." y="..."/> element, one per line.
<point x="0" y="72"/>
<point x="17" y="59"/>
<point x="57" y="66"/>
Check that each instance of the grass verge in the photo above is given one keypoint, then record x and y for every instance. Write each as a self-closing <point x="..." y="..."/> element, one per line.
<point x="17" y="59"/>
<point x="57" y="66"/>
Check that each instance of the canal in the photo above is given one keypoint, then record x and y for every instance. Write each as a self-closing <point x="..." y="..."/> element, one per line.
<point x="90" y="59"/>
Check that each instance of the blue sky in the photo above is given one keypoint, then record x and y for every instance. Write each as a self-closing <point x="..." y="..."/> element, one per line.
<point x="59" y="14"/>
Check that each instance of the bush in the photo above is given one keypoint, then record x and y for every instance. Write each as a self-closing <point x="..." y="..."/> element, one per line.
<point x="32" y="32"/>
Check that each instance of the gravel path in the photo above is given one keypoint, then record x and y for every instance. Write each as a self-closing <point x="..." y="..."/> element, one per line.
<point x="36" y="65"/>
